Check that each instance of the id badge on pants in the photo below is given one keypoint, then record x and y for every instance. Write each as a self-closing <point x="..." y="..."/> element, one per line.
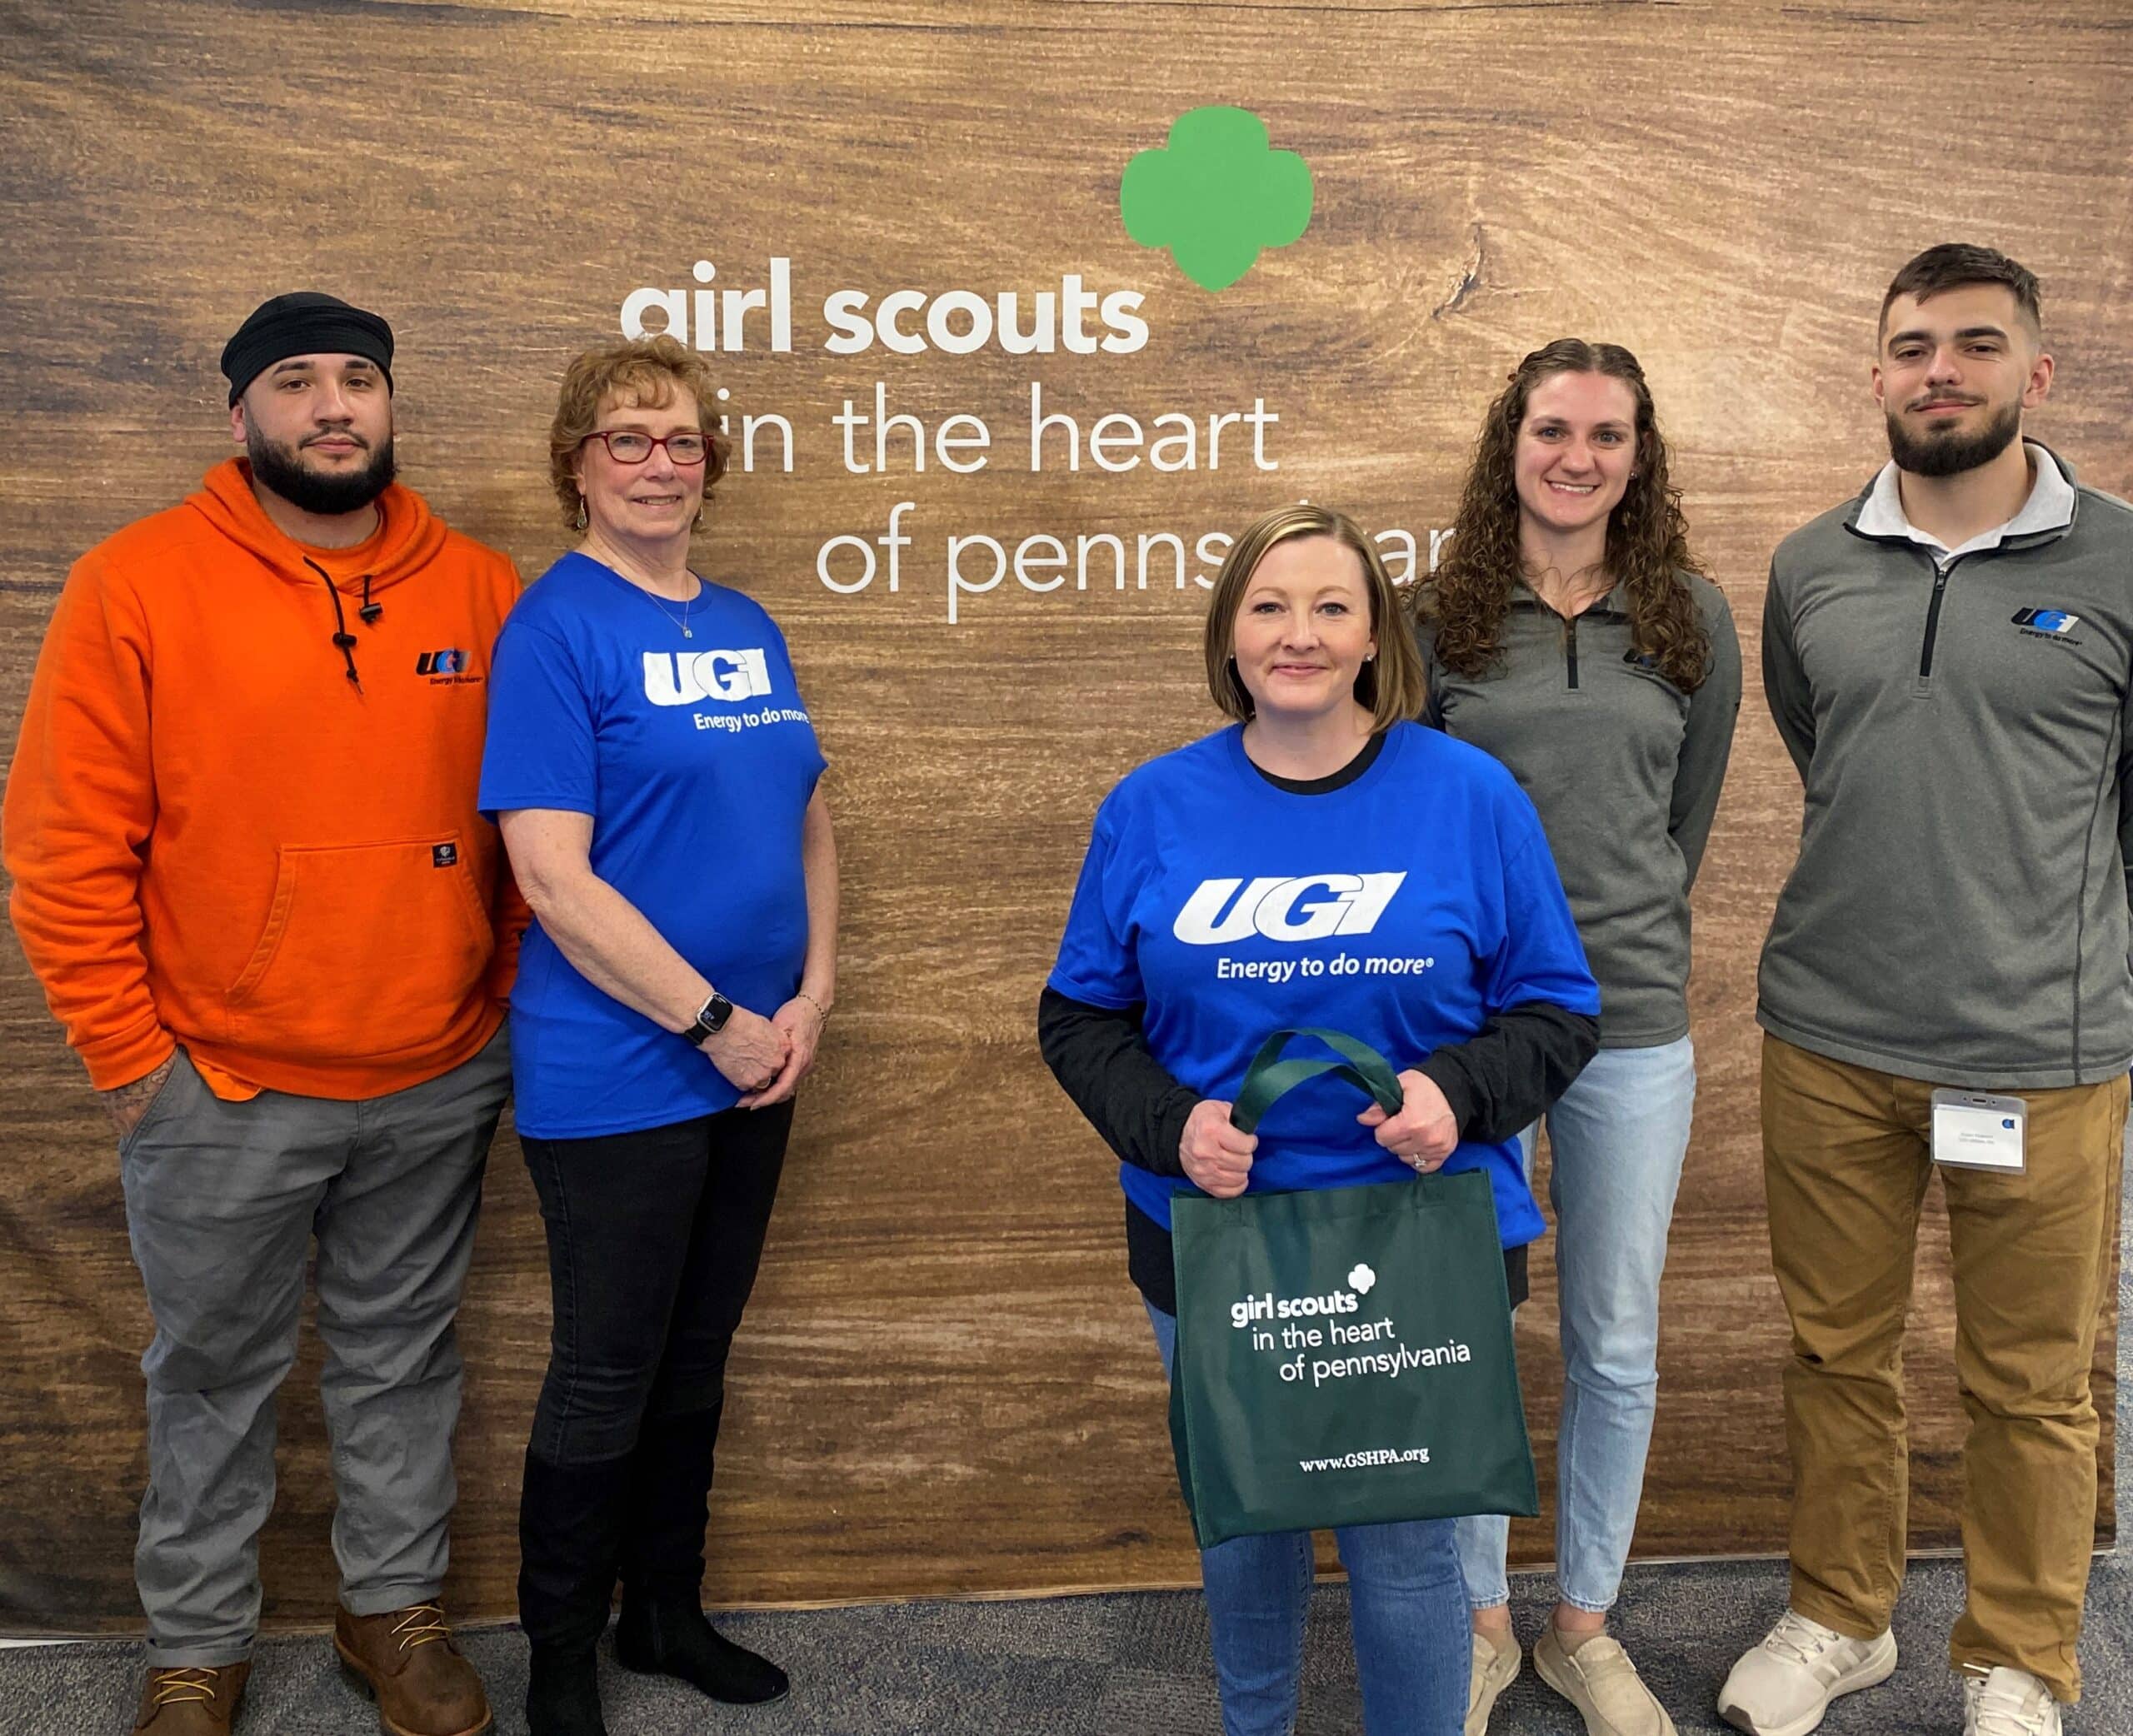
<point x="1976" y="1130"/>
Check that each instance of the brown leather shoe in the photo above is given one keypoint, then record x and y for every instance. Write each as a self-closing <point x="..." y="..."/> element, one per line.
<point x="191" y="1700"/>
<point x="407" y="1658"/>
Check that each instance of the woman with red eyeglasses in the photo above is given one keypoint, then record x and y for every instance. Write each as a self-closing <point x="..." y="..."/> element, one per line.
<point x="657" y="782"/>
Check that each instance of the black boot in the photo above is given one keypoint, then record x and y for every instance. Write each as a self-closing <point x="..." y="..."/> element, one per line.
<point x="662" y="1638"/>
<point x="570" y="1528"/>
<point x="562" y="1693"/>
<point x="663" y="1630"/>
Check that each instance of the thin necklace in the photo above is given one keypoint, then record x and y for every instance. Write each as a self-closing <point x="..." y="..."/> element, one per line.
<point x="606" y="559"/>
<point x="683" y="623"/>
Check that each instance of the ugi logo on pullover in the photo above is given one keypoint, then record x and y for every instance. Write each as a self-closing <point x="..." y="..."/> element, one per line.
<point x="684" y="678"/>
<point x="1280" y="909"/>
<point x="2046" y="620"/>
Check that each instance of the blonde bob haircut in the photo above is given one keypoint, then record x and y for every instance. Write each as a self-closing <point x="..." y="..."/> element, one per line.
<point x="640" y="373"/>
<point x="1391" y="686"/>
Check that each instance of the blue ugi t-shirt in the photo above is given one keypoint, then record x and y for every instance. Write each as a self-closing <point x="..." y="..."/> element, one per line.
<point x="696" y="759"/>
<point x="1404" y="908"/>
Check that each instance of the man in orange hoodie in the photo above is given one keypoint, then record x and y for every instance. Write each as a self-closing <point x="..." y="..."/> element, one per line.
<point x="249" y="873"/>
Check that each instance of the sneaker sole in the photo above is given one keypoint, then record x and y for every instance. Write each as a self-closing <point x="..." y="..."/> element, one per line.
<point x="1875" y="1669"/>
<point x="1565" y="1686"/>
<point x="361" y="1676"/>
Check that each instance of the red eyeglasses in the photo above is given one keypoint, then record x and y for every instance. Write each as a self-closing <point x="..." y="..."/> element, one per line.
<point x="625" y="445"/>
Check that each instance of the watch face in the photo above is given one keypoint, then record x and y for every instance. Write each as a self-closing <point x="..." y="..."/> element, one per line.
<point x="711" y="1018"/>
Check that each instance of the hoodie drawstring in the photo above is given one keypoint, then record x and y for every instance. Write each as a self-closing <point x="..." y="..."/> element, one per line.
<point x="343" y="639"/>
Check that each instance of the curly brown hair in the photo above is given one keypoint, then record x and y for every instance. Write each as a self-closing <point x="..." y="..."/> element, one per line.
<point x="644" y="372"/>
<point x="1647" y="539"/>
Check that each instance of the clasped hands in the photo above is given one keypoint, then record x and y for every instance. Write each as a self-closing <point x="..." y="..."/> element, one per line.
<point x="766" y="1058"/>
<point x="1218" y="1158"/>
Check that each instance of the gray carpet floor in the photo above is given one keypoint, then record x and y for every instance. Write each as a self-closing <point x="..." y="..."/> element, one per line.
<point x="1135" y="1663"/>
<point x="1126" y="1665"/>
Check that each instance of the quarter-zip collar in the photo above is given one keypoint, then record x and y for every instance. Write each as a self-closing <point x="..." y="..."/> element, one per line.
<point x="1523" y="596"/>
<point x="1878" y="515"/>
<point x="1605" y="605"/>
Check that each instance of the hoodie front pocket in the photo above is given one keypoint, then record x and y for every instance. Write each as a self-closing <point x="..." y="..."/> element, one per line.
<point x="367" y="949"/>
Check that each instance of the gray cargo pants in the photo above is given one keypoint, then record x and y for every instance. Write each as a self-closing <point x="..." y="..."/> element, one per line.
<point x="221" y="1202"/>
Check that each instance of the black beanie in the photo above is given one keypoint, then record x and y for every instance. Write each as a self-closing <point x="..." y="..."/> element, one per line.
<point x="304" y="323"/>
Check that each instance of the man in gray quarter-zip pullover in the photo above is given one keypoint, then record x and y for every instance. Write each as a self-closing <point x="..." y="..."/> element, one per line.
<point x="1958" y="912"/>
<point x="1947" y="660"/>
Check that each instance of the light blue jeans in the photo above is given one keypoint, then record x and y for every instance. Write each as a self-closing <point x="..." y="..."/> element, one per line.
<point x="1618" y="1136"/>
<point x="1407" y="1607"/>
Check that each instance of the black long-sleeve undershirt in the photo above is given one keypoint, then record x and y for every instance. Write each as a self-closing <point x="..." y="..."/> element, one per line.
<point x="1102" y="1061"/>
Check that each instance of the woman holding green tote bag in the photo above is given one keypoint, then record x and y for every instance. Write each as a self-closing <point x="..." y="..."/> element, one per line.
<point x="1323" y="862"/>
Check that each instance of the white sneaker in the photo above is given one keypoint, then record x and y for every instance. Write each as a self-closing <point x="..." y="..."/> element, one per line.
<point x="1785" y="1685"/>
<point x="2009" y="1702"/>
<point x="1496" y="1667"/>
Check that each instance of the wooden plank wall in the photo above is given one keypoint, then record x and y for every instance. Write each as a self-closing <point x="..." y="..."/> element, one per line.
<point x="946" y="1384"/>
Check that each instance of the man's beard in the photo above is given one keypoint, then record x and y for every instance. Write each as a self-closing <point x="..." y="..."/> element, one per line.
<point x="1949" y="455"/>
<point x="281" y="469"/>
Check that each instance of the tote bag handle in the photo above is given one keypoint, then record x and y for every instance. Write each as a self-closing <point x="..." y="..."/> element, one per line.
<point x="1269" y="1077"/>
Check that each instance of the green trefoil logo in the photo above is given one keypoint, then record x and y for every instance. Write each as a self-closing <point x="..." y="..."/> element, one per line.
<point x="1217" y="195"/>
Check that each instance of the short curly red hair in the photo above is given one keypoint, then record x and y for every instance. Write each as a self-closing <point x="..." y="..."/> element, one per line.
<point x="642" y="373"/>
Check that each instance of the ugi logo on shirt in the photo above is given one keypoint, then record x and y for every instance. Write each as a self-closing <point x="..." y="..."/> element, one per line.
<point x="2046" y="620"/>
<point x="1280" y="909"/>
<point x="684" y="678"/>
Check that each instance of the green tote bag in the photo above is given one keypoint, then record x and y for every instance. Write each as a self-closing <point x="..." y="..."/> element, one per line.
<point x="1344" y="1355"/>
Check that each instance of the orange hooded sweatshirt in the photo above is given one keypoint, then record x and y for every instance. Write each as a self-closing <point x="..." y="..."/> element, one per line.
<point x="219" y="839"/>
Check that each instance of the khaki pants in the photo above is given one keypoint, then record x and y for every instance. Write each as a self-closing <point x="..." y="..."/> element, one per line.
<point x="1846" y="1157"/>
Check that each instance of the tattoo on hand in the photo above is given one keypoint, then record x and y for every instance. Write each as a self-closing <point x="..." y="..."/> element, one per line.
<point x="126" y="1104"/>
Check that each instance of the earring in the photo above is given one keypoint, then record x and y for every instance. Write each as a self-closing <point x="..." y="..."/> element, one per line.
<point x="581" y="512"/>
<point x="1370" y="656"/>
<point x="696" y="523"/>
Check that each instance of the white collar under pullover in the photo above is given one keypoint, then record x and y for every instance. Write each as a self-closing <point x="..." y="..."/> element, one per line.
<point x="2050" y="507"/>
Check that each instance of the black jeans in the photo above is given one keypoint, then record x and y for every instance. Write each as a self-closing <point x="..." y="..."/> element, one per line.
<point x="653" y="1241"/>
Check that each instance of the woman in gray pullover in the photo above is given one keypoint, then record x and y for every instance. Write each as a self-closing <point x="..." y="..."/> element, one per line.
<point x="1569" y="633"/>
